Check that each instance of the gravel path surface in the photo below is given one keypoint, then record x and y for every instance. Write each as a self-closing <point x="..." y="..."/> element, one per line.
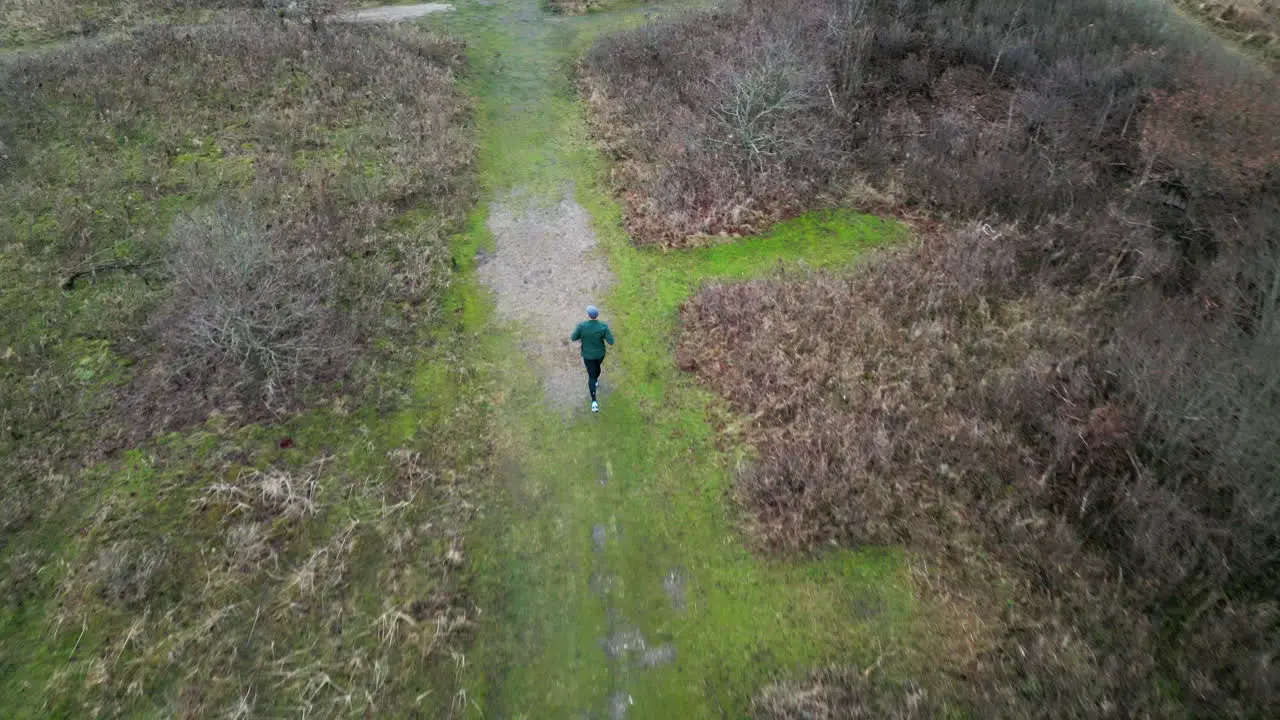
<point x="393" y="13"/>
<point x="545" y="270"/>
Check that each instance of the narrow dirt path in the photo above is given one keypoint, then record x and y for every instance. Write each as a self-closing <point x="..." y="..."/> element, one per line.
<point x="545" y="269"/>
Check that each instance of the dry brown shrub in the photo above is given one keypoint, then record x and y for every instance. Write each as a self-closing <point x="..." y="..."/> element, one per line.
<point x="1215" y="131"/>
<point x="713" y="140"/>
<point x="1010" y="108"/>
<point x="246" y="313"/>
<point x="871" y="411"/>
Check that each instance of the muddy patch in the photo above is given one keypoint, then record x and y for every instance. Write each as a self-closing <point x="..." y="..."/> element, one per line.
<point x="619" y="644"/>
<point x="602" y="583"/>
<point x="660" y="655"/>
<point x="544" y="270"/>
<point x="674" y="584"/>
<point x="618" y="704"/>
<point x="630" y="645"/>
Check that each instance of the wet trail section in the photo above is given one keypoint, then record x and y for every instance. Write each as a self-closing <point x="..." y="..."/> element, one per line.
<point x="613" y="578"/>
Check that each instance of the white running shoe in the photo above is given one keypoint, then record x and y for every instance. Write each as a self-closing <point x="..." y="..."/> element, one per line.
<point x="595" y="406"/>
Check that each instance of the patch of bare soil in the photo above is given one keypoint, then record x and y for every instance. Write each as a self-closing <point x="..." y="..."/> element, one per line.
<point x="545" y="270"/>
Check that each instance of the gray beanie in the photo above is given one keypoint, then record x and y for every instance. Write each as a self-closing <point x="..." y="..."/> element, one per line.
<point x="592" y="311"/>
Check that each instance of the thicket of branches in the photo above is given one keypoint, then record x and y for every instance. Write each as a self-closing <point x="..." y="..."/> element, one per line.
<point x="1073" y="374"/>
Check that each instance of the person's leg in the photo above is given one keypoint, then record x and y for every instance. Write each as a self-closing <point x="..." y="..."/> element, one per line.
<point x="593" y="376"/>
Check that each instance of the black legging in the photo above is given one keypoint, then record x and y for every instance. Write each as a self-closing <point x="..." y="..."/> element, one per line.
<point x="593" y="375"/>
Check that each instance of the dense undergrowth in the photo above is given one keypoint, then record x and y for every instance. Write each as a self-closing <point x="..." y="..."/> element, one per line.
<point x="1062" y="396"/>
<point x="237" y="460"/>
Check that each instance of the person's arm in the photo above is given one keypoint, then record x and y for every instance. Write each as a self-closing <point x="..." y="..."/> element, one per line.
<point x="577" y="333"/>
<point x="608" y="335"/>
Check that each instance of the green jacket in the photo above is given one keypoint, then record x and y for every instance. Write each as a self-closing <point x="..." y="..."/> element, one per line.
<point x="593" y="334"/>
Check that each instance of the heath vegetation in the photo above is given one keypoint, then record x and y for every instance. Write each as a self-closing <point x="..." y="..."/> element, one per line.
<point x="1061" y="396"/>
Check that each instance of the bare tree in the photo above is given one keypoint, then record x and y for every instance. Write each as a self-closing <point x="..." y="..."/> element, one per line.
<point x="755" y="102"/>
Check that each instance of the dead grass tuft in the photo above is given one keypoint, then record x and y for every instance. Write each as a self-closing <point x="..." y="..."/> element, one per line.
<point x="844" y="695"/>
<point x="21" y="581"/>
<point x="126" y="573"/>
<point x="271" y="495"/>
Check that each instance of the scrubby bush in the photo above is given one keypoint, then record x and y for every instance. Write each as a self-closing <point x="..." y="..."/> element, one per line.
<point x="246" y="311"/>
<point x="975" y="107"/>
<point x="712" y="138"/>
<point x="929" y="401"/>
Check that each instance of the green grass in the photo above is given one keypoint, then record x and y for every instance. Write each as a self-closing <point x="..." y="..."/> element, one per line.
<point x="654" y="468"/>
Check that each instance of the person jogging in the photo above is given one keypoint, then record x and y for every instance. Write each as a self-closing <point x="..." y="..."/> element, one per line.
<point x="593" y="334"/>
